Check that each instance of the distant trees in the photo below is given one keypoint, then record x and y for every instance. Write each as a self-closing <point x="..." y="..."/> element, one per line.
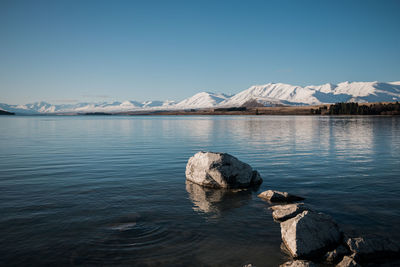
<point x="365" y="109"/>
<point x="343" y="108"/>
<point x="231" y="109"/>
<point x="356" y="109"/>
<point x="320" y="111"/>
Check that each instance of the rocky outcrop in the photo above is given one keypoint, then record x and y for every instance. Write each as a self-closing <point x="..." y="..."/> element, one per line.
<point x="337" y="254"/>
<point x="282" y="213"/>
<point x="348" y="262"/>
<point x="220" y="170"/>
<point x="299" y="263"/>
<point x="277" y="196"/>
<point x="310" y="234"/>
<point x="369" y="248"/>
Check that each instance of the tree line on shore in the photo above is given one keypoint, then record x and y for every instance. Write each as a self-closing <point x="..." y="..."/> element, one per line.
<point x="356" y="109"/>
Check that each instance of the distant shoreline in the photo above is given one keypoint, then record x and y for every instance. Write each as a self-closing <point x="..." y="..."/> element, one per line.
<point x="343" y="109"/>
<point x="327" y="109"/>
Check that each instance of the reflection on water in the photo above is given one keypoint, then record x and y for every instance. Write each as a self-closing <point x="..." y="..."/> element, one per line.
<point x="111" y="190"/>
<point x="216" y="201"/>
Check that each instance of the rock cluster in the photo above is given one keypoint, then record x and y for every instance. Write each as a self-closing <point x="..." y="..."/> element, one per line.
<point x="310" y="235"/>
<point x="220" y="170"/>
<point x="306" y="234"/>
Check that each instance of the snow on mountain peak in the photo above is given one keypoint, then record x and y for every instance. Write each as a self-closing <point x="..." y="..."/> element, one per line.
<point x="278" y="91"/>
<point x="269" y="94"/>
<point x="318" y="94"/>
<point x="202" y="100"/>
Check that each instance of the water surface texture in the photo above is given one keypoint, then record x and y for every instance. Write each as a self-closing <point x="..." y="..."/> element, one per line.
<point x="94" y="190"/>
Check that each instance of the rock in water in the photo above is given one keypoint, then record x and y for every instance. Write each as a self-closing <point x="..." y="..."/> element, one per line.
<point x="336" y="254"/>
<point x="220" y="170"/>
<point x="366" y="248"/>
<point x="285" y="212"/>
<point x="298" y="263"/>
<point x="310" y="234"/>
<point x="277" y="196"/>
<point x="347" y="262"/>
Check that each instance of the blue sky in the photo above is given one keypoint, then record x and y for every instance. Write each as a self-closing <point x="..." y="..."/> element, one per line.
<point x="68" y="51"/>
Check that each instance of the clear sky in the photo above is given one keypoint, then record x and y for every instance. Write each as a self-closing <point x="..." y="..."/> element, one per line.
<point x="77" y="50"/>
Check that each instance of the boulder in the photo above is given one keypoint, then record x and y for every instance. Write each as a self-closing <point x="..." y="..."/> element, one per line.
<point x="337" y="254"/>
<point x="372" y="248"/>
<point x="299" y="263"/>
<point x="310" y="234"/>
<point x="276" y="196"/>
<point x="220" y="170"/>
<point x="282" y="213"/>
<point x="347" y="262"/>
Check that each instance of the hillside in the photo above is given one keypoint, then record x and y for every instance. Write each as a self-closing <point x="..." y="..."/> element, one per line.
<point x="267" y="95"/>
<point x="2" y="112"/>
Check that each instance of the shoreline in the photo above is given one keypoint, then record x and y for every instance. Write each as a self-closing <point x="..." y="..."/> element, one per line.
<point x="338" y="109"/>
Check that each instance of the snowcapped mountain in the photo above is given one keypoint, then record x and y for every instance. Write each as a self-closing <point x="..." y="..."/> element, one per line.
<point x="46" y="108"/>
<point x="158" y="104"/>
<point x="202" y="100"/>
<point x="35" y="108"/>
<point x="107" y="107"/>
<point x="321" y="94"/>
<point x="271" y="94"/>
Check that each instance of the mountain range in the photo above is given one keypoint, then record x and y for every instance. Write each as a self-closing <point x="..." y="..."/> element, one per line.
<point x="271" y="94"/>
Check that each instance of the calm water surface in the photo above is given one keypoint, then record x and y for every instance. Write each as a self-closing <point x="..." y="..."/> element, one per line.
<point x="95" y="190"/>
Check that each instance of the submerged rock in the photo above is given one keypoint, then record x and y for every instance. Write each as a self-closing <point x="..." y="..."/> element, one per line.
<point x="276" y="196"/>
<point x="220" y="170"/>
<point x="284" y="212"/>
<point x="310" y="234"/>
<point x="347" y="262"/>
<point x="299" y="263"/>
<point x="370" y="248"/>
<point x="336" y="254"/>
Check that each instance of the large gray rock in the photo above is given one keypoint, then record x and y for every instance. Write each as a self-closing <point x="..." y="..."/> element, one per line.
<point x="347" y="262"/>
<point x="299" y="263"/>
<point x="370" y="248"/>
<point x="277" y="196"/>
<point x="220" y="170"/>
<point x="285" y="212"/>
<point x="310" y="234"/>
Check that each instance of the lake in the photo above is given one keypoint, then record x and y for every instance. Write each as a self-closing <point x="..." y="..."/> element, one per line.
<point x="110" y="190"/>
